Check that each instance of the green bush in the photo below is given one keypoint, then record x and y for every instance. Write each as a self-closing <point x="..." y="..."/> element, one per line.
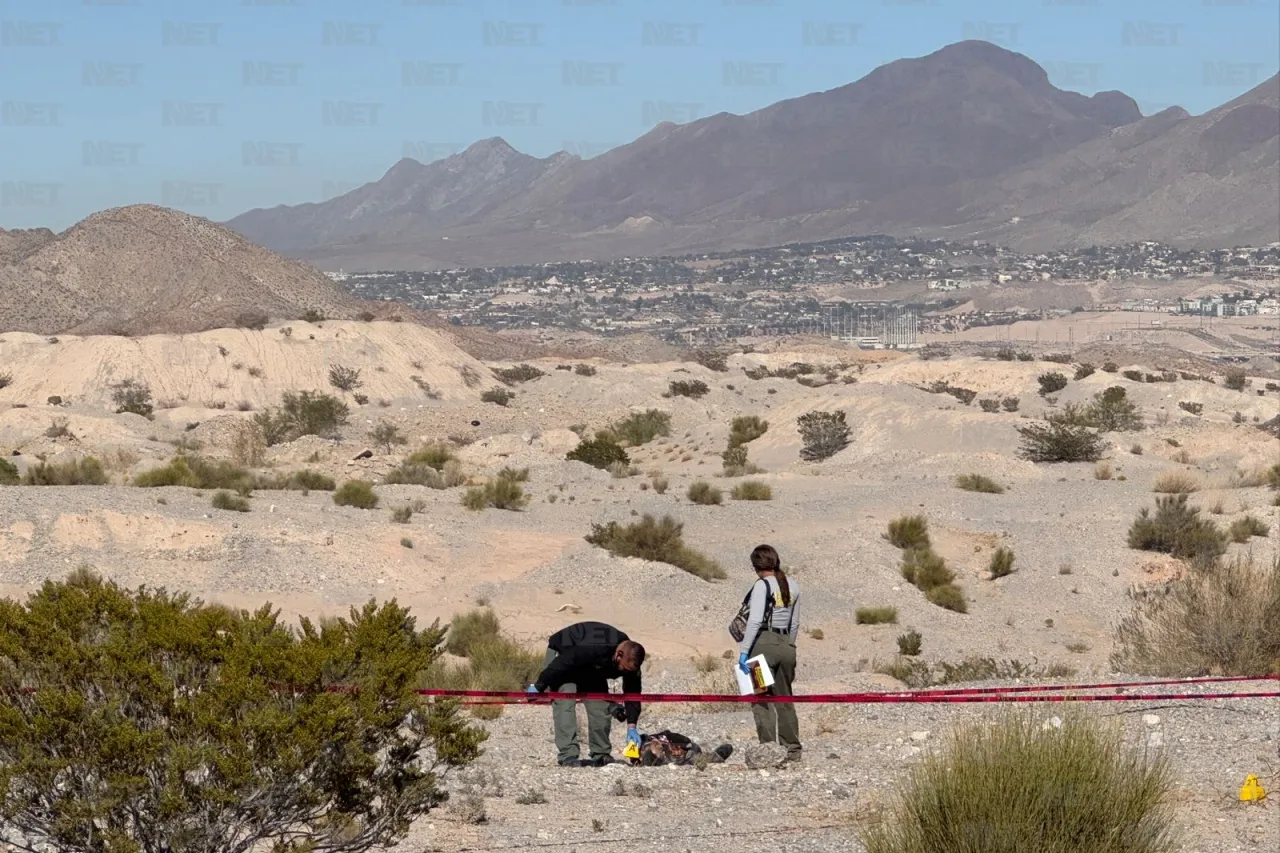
<point x="924" y="569"/>
<point x="8" y="473"/>
<point x="302" y="413"/>
<point x="499" y="493"/>
<point x="1084" y="371"/>
<point x="425" y="474"/>
<point x="357" y="493"/>
<point x="584" y="370"/>
<point x="1005" y="354"/>
<point x="991" y="407"/>
<point x="344" y="378"/>
<point x="1178" y="530"/>
<point x="1220" y="619"/>
<point x="876" y="615"/>
<point x="823" y="434"/>
<point x="1051" y="382"/>
<point x="1010" y="404"/>
<point x="1133" y="375"/>
<point x="1235" y="380"/>
<point x="1057" y="441"/>
<point x="1242" y="529"/>
<point x="1013" y="784"/>
<point x="1110" y="367"/>
<point x="979" y="483"/>
<point x="230" y="501"/>
<point x="433" y="455"/>
<point x="910" y="643"/>
<point x="657" y="541"/>
<point x="705" y="494"/>
<point x="1113" y="411"/>
<point x="752" y="490"/>
<point x="402" y="514"/>
<point x="948" y="596"/>
<point x="517" y="374"/>
<point x="197" y="473"/>
<point x="745" y="429"/>
<point x="78" y="472"/>
<point x="154" y="703"/>
<point x="693" y="388"/>
<point x="908" y="532"/>
<point x="642" y="427"/>
<point x="1001" y="563"/>
<point x="133" y="396"/>
<point x="468" y="630"/>
<point x="298" y="481"/>
<point x="1191" y="408"/>
<point x="500" y="396"/>
<point x="599" y="452"/>
<point x="712" y="360"/>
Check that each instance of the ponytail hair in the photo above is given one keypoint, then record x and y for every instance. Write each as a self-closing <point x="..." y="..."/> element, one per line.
<point x="764" y="558"/>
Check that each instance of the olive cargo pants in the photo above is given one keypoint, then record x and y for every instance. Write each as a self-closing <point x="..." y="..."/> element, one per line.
<point x="564" y="717"/>
<point x="776" y="721"/>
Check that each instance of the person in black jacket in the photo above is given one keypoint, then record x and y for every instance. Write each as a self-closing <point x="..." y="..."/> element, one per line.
<point x="582" y="658"/>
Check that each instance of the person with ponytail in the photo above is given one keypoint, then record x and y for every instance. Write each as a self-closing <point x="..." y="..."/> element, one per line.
<point x="772" y="624"/>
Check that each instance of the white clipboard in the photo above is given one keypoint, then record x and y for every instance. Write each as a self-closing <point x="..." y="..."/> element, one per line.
<point x="745" y="687"/>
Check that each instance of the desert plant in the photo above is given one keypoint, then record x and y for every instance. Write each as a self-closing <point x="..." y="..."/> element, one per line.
<point x="515" y="475"/>
<point x="1072" y="788"/>
<point x="468" y="631"/>
<point x="230" y="501"/>
<point x="924" y="569"/>
<point x="599" y="452"/>
<point x="909" y="532"/>
<point x="642" y="427"/>
<point x="1051" y="383"/>
<point x="196" y="472"/>
<point x="910" y="643"/>
<point x="1110" y="367"/>
<point x="133" y="396"/>
<point x="255" y="320"/>
<point x="344" y="378"/>
<point x="978" y="483"/>
<point x="1235" y="380"/>
<point x="693" y="388"/>
<point x="8" y="473"/>
<point x="1103" y="471"/>
<point x="948" y="596"/>
<point x="704" y="494"/>
<point x="1134" y="375"/>
<point x="876" y="615"/>
<point x="1084" y="371"/>
<point x="302" y="413"/>
<point x="1001" y="563"/>
<point x="356" y="493"/>
<point x="1056" y="441"/>
<point x="989" y="406"/>
<point x="387" y="435"/>
<point x="584" y="370"/>
<point x="76" y="472"/>
<point x="58" y="429"/>
<point x="402" y="514"/>
<point x="660" y="541"/>
<point x="298" y="481"/>
<point x="1221" y="619"/>
<point x="1113" y="411"/>
<point x="499" y="396"/>
<point x="517" y="374"/>
<point x="746" y="428"/>
<point x="1023" y="355"/>
<point x="248" y="445"/>
<point x="659" y="484"/>
<point x="1009" y="404"/>
<point x="311" y="315"/>
<point x="98" y="732"/>
<point x="1242" y="529"/>
<point x="823" y="434"/>
<point x="1005" y="354"/>
<point x="499" y="493"/>
<point x="1178" y="530"/>
<point x="1191" y="408"/>
<point x="752" y="490"/>
<point x="1175" y="483"/>
<point x="712" y="360"/>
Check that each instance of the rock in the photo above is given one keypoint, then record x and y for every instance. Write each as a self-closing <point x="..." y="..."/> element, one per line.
<point x="919" y="737"/>
<point x="1151" y="719"/>
<point x="764" y="756"/>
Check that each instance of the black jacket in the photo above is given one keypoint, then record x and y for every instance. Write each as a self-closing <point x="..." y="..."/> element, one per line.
<point x="584" y="657"/>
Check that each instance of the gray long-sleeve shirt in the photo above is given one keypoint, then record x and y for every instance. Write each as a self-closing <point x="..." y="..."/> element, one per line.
<point x="783" y="618"/>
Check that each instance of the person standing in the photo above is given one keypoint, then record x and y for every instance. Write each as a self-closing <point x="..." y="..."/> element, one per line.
<point x="772" y="623"/>
<point x="582" y="658"/>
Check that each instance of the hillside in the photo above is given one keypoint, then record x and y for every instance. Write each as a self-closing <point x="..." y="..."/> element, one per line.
<point x="141" y="269"/>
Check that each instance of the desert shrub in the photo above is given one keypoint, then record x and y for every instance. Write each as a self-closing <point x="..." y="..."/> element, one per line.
<point x="1113" y="411"/>
<point x="1133" y="375"/>
<point x="133" y="396"/>
<point x="500" y="396"/>
<point x="752" y="490"/>
<point x="519" y="373"/>
<point x="499" y="493"/>
<point x="924" y="569"/>
<point x="909" y="532"/>
<point x="823" y="434"/>
<point x="1235" y="380"/>
<point x="1023" y="355"/>
<point x="230" y="501"/>
<point x="948" y="596"/>
<point x="1057" y="358"/>
<point x="1059" y="442"/>
<point x="1110" y="367"/>
<point x="255" y="320"/>
<point x="344" y="378"/>
<point x="929" y="352"/>
<point x="599" y="452"/>
<point x="659" y="484"/>
<point x="1221" y="619"/>
<point x="491" y="662"/>
<point x="1013" y="784"/>
<point x="704" y="494"/>
<point x="58" y="429"/>
<point x="989" y="406"/>
<point x="1175" y="483"/>
<point x="1005" y="354"/>
<point x="1009" y="404"/>
<point x="979" y="483"/>
<point x="919" y="675"/>
<point x="876" y="615"/>
<point x="357" y="493"/>
<point x="419" y="474"/>
<point x="8" y="473"/>
<point x="1178" y="530"/>
<point x="77" y="472"/>
<point x="642" y="427"/>
<point x="584" y="370"/>
<point x="298" y="481"/>
<point x="467" y="631"/>
<point x="693" y="388"/>
<point x="1103" y="471"/>
<point x="657" y="541"/>
<point x="1242" y="529"/>
<point x="712" y="360"/>
<point x="311" y="315"/>
<point x="1001" y="563"/>
<point x="1191" y="408"/>
<point x="1051" y="382"/>
<point x="910" y="643"/>
<point x="1084" y="371"/>
<point x="302" y="413"/>
<point x="746" y="428"/>
<point x="435" y="456"/>
<point x="199" y="687"/>
<point x="387" y="435"/>
<point x="515" y="475"/>
<point x="197" y="473"/>
<point x="964" y="395"/>
<point x="402" y="514"/>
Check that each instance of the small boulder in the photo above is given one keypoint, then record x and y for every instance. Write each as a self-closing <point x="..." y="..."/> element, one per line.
<point x="765" y="756"/>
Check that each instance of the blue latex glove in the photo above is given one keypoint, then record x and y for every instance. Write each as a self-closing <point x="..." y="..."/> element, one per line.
<point x="633" y="736"/>
<point x="742" y="664"/>
<point x="531" y="689"/>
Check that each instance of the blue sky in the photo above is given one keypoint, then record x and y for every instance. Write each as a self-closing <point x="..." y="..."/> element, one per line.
<point x="220" y="106"/>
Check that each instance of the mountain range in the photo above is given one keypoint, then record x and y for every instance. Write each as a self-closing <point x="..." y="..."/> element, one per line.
<point x="971" y="141"/>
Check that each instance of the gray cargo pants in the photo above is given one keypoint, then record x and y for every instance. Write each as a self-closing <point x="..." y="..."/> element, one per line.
<point x="564" y="718"/>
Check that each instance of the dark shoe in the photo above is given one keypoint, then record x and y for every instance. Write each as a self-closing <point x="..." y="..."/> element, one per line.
<point x="600" y="761"/>
<point x="794" y="758"/>
<point x="573" y="762"/>
<point x="722" y="752"/>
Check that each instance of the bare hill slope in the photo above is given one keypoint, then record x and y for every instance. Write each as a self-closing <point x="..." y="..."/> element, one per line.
<point x="145" y="269"/>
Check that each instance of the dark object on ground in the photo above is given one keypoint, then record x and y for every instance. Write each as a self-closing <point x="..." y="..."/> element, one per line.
<point x="368" y="454"/>
<point x="475" y="423"/>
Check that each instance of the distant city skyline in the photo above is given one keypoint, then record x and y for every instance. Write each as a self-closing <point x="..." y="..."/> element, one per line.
<point x="218" y="107"/>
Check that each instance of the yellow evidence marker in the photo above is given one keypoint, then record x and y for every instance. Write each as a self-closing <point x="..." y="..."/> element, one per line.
<point x="1252" y="792"/>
